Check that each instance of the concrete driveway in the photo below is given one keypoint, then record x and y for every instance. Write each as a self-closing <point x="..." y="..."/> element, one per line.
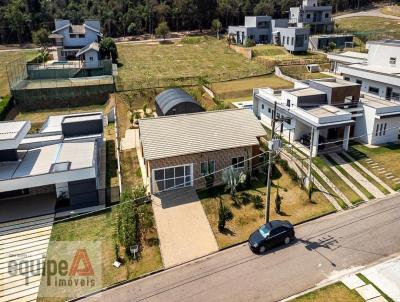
<point x="182" y="225"/>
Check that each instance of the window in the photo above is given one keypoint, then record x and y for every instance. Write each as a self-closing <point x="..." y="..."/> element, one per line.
<point x="173" y="177"/>
<point x="292" y="40"/>
<point x="305" y="37"/>
<point x="287" y="40"/>
<point x="308" y="16"/>
<point x="269" y="110"/>
<point x="381" y="130"/>
<point x="392" y="61"/>
<point x="346" y="78"/>
<point x="359" y="82"/>
<point x="81" y="36"/>
<point x="72" y="36"/>
<point x="377" y="130"/>
<point x="384" y="129"/>
<point x="373" y="90"/>
<point x="288" y="102"/>
<point x="207" y="167"/>
<point x="238" y="162"/>
<point x="262" y="106"/>
<point x="326" y="15"/>
<point x="288" y="121"/>
<point x="90" y="58"/>
<point x="262" y="24"/>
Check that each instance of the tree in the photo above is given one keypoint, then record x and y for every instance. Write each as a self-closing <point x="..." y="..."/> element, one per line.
<point x="278" y="202"/>
<point x="108" y="48"/>
<point x="224" y="214"/>
<point x="232" y="178"/>
<point x="216" y="27"/>
<point x="16" y="17"/>
<point x="162" y="29"/>
<point x="41" y="37"/>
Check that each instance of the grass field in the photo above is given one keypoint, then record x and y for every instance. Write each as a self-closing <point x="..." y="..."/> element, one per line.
<point x="373" y="28"/>
<point x="101" y="227"/>
<point x="300" y="72"/>
<point x="244" y="87"/>
<point x="210" y="58"/>
<point x="7" y="57"/>
<point x="295" y="208"/>
<point x="274" y="52"/>
<point x="337" y="292"/>
<point x="393" y="10"/>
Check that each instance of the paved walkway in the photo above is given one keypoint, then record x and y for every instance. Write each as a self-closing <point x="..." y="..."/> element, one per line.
<point x="375" y="12"/>
<point x="372" y="175"/>
<point x="27" y="238"/>
<point x="357" y="176"/>
<point x="183" y="228"/>
<point x="130" y="140"/>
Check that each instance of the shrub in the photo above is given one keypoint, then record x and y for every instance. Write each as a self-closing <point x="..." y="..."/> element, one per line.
<point x="224" y="214"/>
<point x="138" y="172"/>
<point x="107" y="48"/>
<point x="278" y="202"/>
<point x="5" y="105"/>
<point x="249" y="43"/>
<point x="246" y="198"/>
<point x="193" y="40"/>
<point x="291" y="172"/>
<point x="257" y="202"/>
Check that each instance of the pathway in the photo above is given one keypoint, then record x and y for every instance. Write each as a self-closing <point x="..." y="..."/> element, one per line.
<point x="375" y="12"/>
<point x="27" y="238"/>
<point x="343" y="177"/>
<point x="372" y="175"/>
<point x="183" y="228"/>
<point x="357" y="176"/>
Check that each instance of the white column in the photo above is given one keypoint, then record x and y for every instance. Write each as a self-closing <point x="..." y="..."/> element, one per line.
<point x="315" y="143"/>
<point x="346" y="137"/>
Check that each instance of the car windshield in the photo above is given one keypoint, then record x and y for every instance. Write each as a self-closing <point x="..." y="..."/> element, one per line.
<point x="264" y="230"/>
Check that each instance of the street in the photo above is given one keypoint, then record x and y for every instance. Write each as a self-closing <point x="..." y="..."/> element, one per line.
<point x="323" y="248"/>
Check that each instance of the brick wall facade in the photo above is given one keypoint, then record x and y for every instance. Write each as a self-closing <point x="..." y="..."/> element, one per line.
<point x="223" y="158"/>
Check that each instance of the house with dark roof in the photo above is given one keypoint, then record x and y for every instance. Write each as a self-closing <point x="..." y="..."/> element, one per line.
<point x="77" y="42"/>
<point x="179" y="150"/>
<point x="176" y="101"/>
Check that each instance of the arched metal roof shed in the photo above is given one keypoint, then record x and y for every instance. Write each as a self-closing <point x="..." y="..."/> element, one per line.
<point x="176" y="101"/>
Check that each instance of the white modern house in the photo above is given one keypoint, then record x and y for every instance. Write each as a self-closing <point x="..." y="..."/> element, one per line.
<point x="58" y="167"/>
<point x="310" y="14"/>
<point x="378" y="72"/>
<point x="77" y="42"/>
<point x="265" y="30"/>
<point x="331" y="112"/>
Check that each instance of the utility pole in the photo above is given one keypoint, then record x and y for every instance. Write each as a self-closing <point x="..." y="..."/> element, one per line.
<point x="310" y="159"/>
<point x="270" y="166"/>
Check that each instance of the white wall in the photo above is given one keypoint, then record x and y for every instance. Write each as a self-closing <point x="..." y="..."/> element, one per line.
<point x="90" y="36"/>
<point x="95" y="58"/>
<point x="380" y="55"/>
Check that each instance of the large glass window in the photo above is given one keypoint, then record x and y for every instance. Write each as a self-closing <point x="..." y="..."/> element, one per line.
<point x="173" y="177"/>
<point x="373" y="90"/>
<point x="207" y="167"/>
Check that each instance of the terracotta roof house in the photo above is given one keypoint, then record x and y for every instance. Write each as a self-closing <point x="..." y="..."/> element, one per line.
<point x="177" y="150"/>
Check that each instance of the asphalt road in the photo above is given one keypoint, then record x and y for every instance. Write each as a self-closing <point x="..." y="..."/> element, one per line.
<point x="325" y="248"/>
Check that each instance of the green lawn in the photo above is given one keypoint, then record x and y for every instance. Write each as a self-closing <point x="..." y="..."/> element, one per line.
<point x="100" y="227"/>
<point x="337" y="292"/>
<point x="244" y="87"/>
<point x="386" y="156"/>
<point x="336" y="180"/>
<point x="274" y="52"/>
<point x="300" y="72"/>
<point x="393" y="10"/>
<point x="373" y="28"/>
<point x="7" y="57"/>
<point x="295" y="208"/>
<point x="151" y="63"/>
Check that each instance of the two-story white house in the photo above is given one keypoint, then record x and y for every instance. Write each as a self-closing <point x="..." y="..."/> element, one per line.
<point x="310" y="14"/>
<point x="265" y="30"/>
<point x="332" y="110"/>
<point x="378" y="72"/>
<point x="77" y="42"/>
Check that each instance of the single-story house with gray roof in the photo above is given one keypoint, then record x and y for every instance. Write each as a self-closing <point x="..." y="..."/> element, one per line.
<point x="178" y="150"/>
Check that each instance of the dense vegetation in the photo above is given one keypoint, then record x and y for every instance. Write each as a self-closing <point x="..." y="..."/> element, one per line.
<point x="19" y="18"/>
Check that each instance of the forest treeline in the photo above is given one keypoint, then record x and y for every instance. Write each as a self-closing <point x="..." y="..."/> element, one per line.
<point x="19" y="18"/>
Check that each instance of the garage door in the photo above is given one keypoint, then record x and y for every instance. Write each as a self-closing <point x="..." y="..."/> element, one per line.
<point x="172" y="178"/>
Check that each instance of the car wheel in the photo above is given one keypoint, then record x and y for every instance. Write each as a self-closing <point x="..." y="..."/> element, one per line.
<point x="262" y="249"/>
<point x="287" y="240"/>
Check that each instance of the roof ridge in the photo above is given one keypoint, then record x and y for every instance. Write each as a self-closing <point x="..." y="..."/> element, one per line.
<point x="192" y="113"/>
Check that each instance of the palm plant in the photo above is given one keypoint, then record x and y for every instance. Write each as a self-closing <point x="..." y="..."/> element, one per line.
<point x="232" y="178"/>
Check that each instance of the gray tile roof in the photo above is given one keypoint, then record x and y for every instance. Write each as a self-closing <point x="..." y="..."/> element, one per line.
<point x="198" y="132"/>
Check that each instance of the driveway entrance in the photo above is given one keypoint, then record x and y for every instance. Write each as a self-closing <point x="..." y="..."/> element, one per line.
<point x="182" y="226"/>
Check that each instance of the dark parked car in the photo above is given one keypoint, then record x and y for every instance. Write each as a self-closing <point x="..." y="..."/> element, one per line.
<point x="270" y="235"/>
